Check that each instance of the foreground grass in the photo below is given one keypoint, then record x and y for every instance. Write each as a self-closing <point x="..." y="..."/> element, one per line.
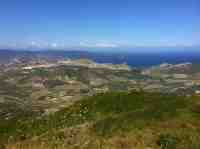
<point x="147" y="119"/>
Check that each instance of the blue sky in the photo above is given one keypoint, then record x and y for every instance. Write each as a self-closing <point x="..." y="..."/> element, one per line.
<point x="99" y="23"/>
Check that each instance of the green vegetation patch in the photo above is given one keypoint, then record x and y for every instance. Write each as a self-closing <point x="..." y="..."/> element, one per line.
<point x="110" y="114"/>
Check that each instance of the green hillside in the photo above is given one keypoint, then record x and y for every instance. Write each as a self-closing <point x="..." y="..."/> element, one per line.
<point x="111" y="120"/>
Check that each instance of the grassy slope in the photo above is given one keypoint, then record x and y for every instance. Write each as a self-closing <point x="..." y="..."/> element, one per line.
<point x="148" y="119"/>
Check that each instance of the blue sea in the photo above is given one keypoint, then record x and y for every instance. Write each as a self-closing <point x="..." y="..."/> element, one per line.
<point x="134" y="59"/>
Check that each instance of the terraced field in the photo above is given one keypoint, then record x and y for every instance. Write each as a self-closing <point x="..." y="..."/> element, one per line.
<point x="77" y="107"/>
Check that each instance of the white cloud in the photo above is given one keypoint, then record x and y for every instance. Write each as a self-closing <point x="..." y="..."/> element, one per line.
<point x="33" y="43"/>
<point x="40" y="44"/>
<point x="98" y="45"/>
<point x="106" y="45"/>
<point x="54" y="45"/>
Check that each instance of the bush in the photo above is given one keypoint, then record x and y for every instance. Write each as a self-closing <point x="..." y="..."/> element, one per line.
<point x="167" y="141"/>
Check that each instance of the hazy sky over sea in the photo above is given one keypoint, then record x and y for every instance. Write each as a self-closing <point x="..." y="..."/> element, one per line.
<point x="99" y="23"/>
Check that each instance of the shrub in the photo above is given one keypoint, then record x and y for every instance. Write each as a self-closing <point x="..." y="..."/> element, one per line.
<point x="167" y="141"/>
